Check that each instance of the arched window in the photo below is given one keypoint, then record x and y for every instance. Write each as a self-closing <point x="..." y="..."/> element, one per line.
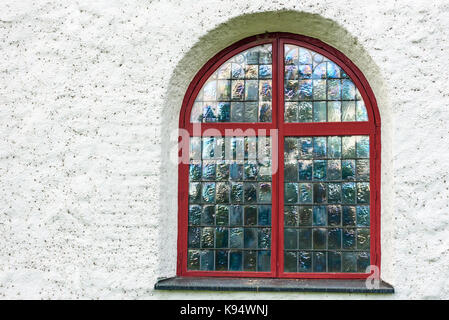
<point x="281" y="164"/>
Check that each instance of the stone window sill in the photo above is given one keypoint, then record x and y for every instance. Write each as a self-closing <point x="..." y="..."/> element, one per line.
<point x="271" y="285"/>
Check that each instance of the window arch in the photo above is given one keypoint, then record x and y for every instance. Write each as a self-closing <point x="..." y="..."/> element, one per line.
<point x="281" y="164"/>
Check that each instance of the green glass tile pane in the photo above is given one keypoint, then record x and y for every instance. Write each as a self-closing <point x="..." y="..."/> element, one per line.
<point x="208" y="192"/>
<point x="264" y="238"/>
<point x="348" y="169"/>
<point x="264" y="192"/>
<point x="319" y="192"/>
<point x="263" y="261"/>
<point x="305" y="169"/>
<point x="349" y="262"/>
<point x="207" y="237"/>
<point x="290" y="238"/>
<point x="194" y="192"/>
<point x="235" y="261"/>
<point x="195" y="172"/>
<point x="290" y="216"/>
<point x="347" y="90"/>
<point x="305" y="193"/>
<point x="360" y="111"/>
<point x="319" y="238"/>
<point x="319" y="216"/>
<point x="304" y="261"/>
<point x="290" y="261"/>
<point x="221" y="237"/>
<point x="363" y="239"/>
<point x="291" y="112"/>
<point x="194" y="215"/>
<point x="319" y="261"/>
<point x="362" y="170"/>
<point x="291" y="193"/>
<point x="207" y="260"/>
<point x="305" y="112"/>
<point x="250" y="192"/>
<point x="194" y="237"/>
<point x="291" y="170"/>
<point x="334" y="238"/>
<point x="334" y="192"/>
<point x="208" y="216"/>
<point x="235" y="215"/>
<point x="221" y="260"/>
<point x="319" y="169"/>
<point x="305" y="238"/>
<point x="305" y="148"/>
<point x="250" y="238"/>
<point x="222" y="192"/>
<point x="363" y="192"/>
<point x="264" y="215"/>
<point x="349" y="216"/>
<point x="222" y="171"/>
<point x="334" y="147"/>
<point x="363" y="216"/>
<point x="236" y="238"/>
<point x="362" y="147"/>
<point x="334" y="215"/>
<point x="222" y="215"/>
<point x="305" y="215"/>
<point x="363" y="262"/>
<point x="348" y="192"/>
<point x="319" y="111"/>
<point x="349" y="239"/>
<point x="319" y="147"/>
<point x="249" y="260"/>
<point x="237" y="111"/>
<point x="250" y="215"/>
<point x="334" y="261"/>
<point x="193" y="260"/>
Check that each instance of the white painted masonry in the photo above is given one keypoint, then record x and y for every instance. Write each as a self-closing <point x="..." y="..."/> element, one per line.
<point x="90" y="93"/>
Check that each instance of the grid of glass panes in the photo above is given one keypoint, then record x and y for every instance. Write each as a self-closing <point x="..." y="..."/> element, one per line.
<point x="318" y="90"/>
<point x="229" y="218"/>
<point x="326" y="204"/>
<point x="239" y="91"/>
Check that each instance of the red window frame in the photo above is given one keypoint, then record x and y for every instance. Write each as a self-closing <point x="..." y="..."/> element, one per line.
<point x="370" y="127"/>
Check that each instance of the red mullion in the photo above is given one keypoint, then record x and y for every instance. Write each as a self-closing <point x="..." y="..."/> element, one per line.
<point x="327" y="128"/>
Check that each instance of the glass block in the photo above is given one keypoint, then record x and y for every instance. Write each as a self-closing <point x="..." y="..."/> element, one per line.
<point x="237" y="89"/>
<point x="333" y="169"/>
<point x="250" y="148"/>
<point x="250" y="261"/>
<point x="194" y="236"/>
<point x="251" y="110"/>
<point x="334" y="238"/>
<point x="305" y="193"/>
<point x="223" y="90"/>
<point x="236" y="171"/>
<point x="222" y="171"/>
<point x="265" y="112"/>
<point x="305" y="71"/>
<point x="320" y="71"/>
<point x="264" y="238"/>
<point x="250" y="238"/>
<point x="319" y="261"/>
<point x="208" y="192"/>
<point x="334" y="89"/>
<point x="348" y="169"/>
<point x="348" y="111"/>
<point x="319" y="89"/>
<point x="236" y="238"/>
<point x="194" y="215"/>
<point x="264" y="173"/>
<point x="210" y="112"/>
<point x="237" y="71"/>
<point x="250" y="171"/>
<point x="349" y="216"/>
<point x="251" y="90"/>
<point x="363" y="239"/>
<point x="319" y="169"/>
<point x="349" y="241"/>
<point x="304" y="238"/>
<point x="348" y="192"/>
<point x="221" y="260"/>
<point x="319" y="215"/>
<point x="265" y="90"/>
<point x="334" y="192"/>
<point x="362" y="170"/>
<point x="290" y="238"/>
<point x="224" y="112"/>
<point x="304" y="261"/>
<point x="252" y="56"/>
<point x="264" y="215"/>
<point x="195" y="148"/>
<point x="348" y="147"/>
<point x="210" y="91"/>
<point x="290" y="148"/>
<point x="194" y="192"/>
<point x="193" y="260"/>
<point x="305" y="170"/>
<point x="333" y="70"/>
<point x="334" y="111"/>
<point x="362" y="147"/>
<point x="305" y="56"/>
<point x="305" y="148"/>
<point x="194" y="171"/>
<point x="360" y="111"/>
<point x="250" y="192"/>
<point x="236" y="192"/>
<point x="207" y="260"/>
<point x="265" y="71"/>
<point x="221" y="237"/>
<point x="291" y="54"/>
<point x="305" y="112"/>
<point x="291" y="90"/>
<point x="319" y="193"/>
<point x="334" y="215"/>
<point x="263" y="261"/>
<point x="363" y="193"/>
<point x="319" y="238"/>
<point x="290" y="261"/>
<point x="264" y="192"/>
<point x="251" y="72"/>
<point x="291" y="193"/>
<point x="334" y="261"/>
<point x="291" y="170"/>
<point x="224" y="72"/>
<point x="235" y="261"/>
<point x="291" y="112"/>
<point x="305" y="215"/>
<point x="209" y="145"/>
<point x="237" y="111"/>
<point x="208" y="216"/>
<point x="222" y="215"/>
<point x="291" y="72"/>
<point x="250" y="215"/>
<point x="235" y="215"/>
<point x="363" y="262"/>
<point x="320" y="111"/>
<point x="363" y="216"/>
<point x="207" y="237"/>
<point x="334" y="147"/>
<point x="305" y="91"/>
<point x="319" y="147"/>
<point x="222" y="192"/>
<point x="347" y="89"/>
<point x="349" y="262"/>
<point x="290" y="216"/>
<point x="196" y="115"/>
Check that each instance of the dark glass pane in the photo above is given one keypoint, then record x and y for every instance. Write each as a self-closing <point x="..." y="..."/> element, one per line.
<point x="221" y="260"/>
<point x="222" y="215"/>
<point x="221" y="237"/>
<point x="305" y="238"/>
<point x="319" y="238"/>
<point x="263" y="261"/>
<point x="304" y="261"/>
<point x="249" y="260"/>
<point x="193" y="260"/>
<point x="319" y="261"/>
<point x="207" y="259"/>
<point x="290" y="261"/>
<point x="235" y="261"/>
<point x="235" y="218"/>
<point x="334" y="261"/>
<point x="334" y="238"/>
<point x="290" y="238"/>
<point x="264" y="216"/>
<point x="250" y="237"/>
<point x="250" y="215"/>
<point x="236" y="238"/>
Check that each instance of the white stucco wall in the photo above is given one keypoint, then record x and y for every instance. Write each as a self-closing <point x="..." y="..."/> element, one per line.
<point x="90" y="92"/>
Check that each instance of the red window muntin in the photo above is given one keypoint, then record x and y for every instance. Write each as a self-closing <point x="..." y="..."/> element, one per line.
<point x="369" y="128"/>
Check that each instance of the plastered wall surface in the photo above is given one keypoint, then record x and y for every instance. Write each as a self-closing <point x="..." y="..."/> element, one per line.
<point x="90" y="93"/>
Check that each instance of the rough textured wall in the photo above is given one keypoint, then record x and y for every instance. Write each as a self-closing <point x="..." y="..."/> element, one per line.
<point x="89" y="94"/>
